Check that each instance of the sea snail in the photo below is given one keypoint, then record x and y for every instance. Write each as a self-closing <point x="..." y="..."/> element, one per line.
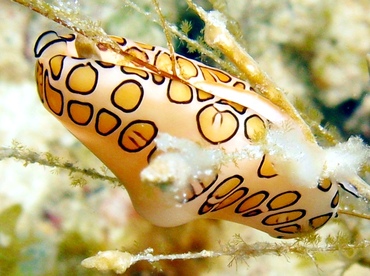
<point x="278" y="182"/>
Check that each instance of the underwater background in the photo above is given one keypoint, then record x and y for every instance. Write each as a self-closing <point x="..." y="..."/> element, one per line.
<point x="314" y="50"/>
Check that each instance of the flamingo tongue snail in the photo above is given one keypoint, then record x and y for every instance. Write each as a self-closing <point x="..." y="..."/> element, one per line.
<point x="122" y="108"/>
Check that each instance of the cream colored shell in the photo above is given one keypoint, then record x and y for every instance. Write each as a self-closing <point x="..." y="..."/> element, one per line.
<point x="118" y="110"/>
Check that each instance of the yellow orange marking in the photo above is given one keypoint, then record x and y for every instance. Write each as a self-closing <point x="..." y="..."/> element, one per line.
<point x="254" y="128"/>
<point x="187" y="68"/>
<point x="234" y="197"/>
<point x="79" y="112"/>
<point x="319" y="221"/>
<point x="214" y="75"/>
<point x="106" y="122"/>
<point x="54" y="97"/>
<point x="283" y="200"/>
<point x="203" y="96"/>
<point x="252" y="201"/>
<point x="225" y="187"/>
<point x="284" y="217"/>
<point x="137" y="135"/>
<point x="127" y="95"/>
<point x="130" y="70"/>
<point x="179" y="92"/>
<point x="39" y="80"/>
<point x="82" y="79"/>
<point x="216" y="126"/>
<point x="266" y="169"/>
<point x="325" y="184"/>
<point x="136" y="52"/>
<point x="164" y="62"/>
<point x="56" y="65"/>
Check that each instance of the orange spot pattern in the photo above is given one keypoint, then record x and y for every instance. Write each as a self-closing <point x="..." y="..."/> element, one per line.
<point x="217" y="121"/>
